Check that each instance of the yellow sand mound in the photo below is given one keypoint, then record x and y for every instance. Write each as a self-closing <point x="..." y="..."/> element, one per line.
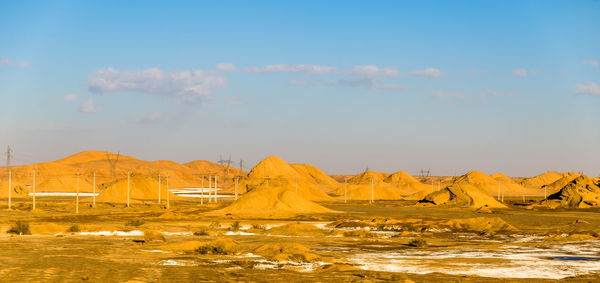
<point x="141" y="188"/>
<point x="462" y="194"/>
<point x="385" y="187"/>
<point x="499" y="184"/>
<point x="60" y="175"/>
<point x="381" y="191"/>
<point x="298" y="229"/>
<point x="273" y="172"/>
<point x="542" y="179"/>
<point x="270" y="203"/>
<point x="480" y="225"/>
<point x="286" y="252"/>
<point x="272" y="166"/>
<point x="367" y="176"/>
<point x="582" y="192"/>
<point x="318" y="176"/>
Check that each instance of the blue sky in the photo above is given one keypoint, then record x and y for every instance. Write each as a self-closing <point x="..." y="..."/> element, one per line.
<point x="450" y="86"/>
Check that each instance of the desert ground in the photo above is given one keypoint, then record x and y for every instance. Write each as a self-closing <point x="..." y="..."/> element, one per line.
<point x="295" y="223"/>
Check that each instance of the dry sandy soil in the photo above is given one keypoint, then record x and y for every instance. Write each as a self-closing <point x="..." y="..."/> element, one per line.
<point x="366" y="243"/>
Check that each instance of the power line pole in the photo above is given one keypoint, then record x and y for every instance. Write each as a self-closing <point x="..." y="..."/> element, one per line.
<point x="215" y="188"/>
<point x="168" y="201"/>
<point x="502" y="185"/>
<point x="33" y="207"/>
<point x="237" y="180"/>
<point x="94" y="190"/>
<point x="372" y="191"/>
<point x="159" y="188"/>
<point x="77" y="195"/>
<point x="345" y="190"/>
<point x="202" y="192"/>
<point x="498" y="190"/>
<point x="128" y="189"/>
<point x="267" y="179"/>
<point x="209" y="187"/>
<point x="8" y="153"/>
<point x="296" y="184"/>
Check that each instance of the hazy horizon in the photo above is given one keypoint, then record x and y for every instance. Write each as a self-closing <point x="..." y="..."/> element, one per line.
<point x="450" y="87"/>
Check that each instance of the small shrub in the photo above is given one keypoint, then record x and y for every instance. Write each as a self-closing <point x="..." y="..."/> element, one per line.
<point x="135" y="222"/>
<point x="215" y="225"/>
<point x="20" y="228"/>
<point x="418" y="243"/>
<point x="235" y="226"/>
<point x="210" y="249"/>
<point x="218" y="247"/>
<point x="74" y="228"/>
<point x="201" y="232"/>
<point x="259" y="227"/>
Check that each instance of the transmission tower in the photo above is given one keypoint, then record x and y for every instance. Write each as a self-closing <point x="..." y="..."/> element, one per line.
<point x="112" y="163"/>
<point x="226" y="164"/>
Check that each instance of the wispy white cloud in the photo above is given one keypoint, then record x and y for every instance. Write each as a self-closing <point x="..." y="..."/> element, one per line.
<point x="452" y="95"/>
<point x="88" y="106"/>
<point x="152" y="118"/>
<point x="180" y="86"/>
<point x="371" y="71"/>
<point x="7" y="61"/>
<point x="371" y="83"/>
<point x="592" y="63"/>
<point x="225" y="67"/>
<point x="520" y="72"/>
<point x="363" y="76"/>
<point x="588" y="88"/>
<point x="501" y="93"/>
<point x="430" y="73"/>
<point x="70" y="97"/>
<point x="295" y="68"/>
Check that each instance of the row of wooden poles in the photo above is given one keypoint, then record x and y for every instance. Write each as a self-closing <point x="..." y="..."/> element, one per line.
<point x="210" y="184"/>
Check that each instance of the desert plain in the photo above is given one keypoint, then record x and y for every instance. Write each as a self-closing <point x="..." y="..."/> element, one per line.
<point x="291" y="222"/>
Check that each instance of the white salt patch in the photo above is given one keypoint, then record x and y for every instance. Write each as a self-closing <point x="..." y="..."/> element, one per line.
<point x="154" y="251"/>
<point x="172" y="262"/>
<point x="514" y="261"/>
<point x="176" y="233"/>
<point x="238" y="233"/>
<point x="62" y="194"/>
<point x="113" y="233"/>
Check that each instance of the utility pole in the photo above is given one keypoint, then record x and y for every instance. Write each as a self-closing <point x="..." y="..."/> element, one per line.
<point x="296" y="184"/>
<point x="168" y="201"/>
<point x="159" y="188"/>
<point x="128" y="174"/>
<point x="237" y="180"/>
<point x="241" y="164"/>
<point x="215" y="188"/>
<point x="209" y="187"/>
<point x="498" y="190"/>
<point x="502" y="185"/>
<point x="345" y="190"/>
<point x="94" y="190"/>
<point x="77" y="195"/>
<point x="371" y="191"/>
<point x="202" y="192"/>
<point x="8" y="153"/>
<point x="33" y="207"/>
